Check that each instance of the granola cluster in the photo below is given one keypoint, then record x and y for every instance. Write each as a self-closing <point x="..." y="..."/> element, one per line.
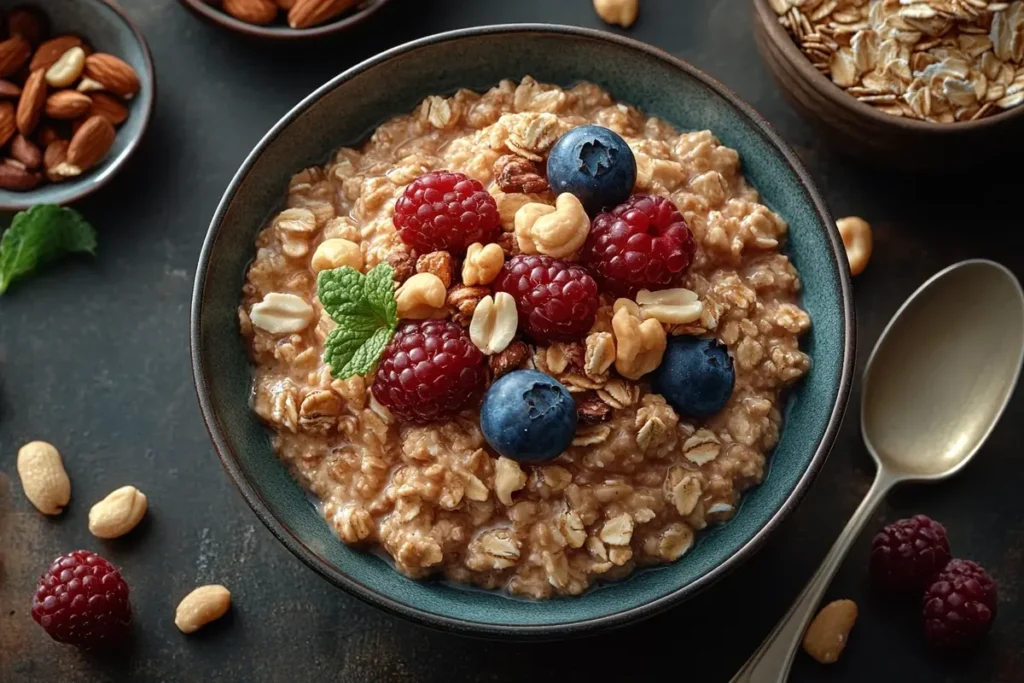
<point x="936" y="60"/>
<point x="638" y="480"/>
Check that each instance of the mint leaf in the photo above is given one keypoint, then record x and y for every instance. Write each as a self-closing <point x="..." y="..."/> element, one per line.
<point x="364" y="308"/>
<point x="40" y="235"/>
<point x="379" y="287"/>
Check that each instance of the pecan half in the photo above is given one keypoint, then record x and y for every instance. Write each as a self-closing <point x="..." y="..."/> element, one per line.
<point x="593" y="411"/>
<point x="508" y="360"/>
<point x="516" y="174"/>
<point x="402" y="259"/>
<point x="439" y="263"/>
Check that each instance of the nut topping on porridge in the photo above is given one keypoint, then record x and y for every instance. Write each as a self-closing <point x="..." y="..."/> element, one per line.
<point x="488" y="353"/>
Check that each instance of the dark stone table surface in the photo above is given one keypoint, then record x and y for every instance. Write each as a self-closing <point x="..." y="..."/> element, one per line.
<point x="94" y="358"/>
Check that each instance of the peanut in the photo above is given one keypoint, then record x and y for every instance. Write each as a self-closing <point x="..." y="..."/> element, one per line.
<point x="118" y="513"/>
<point x="67" y="68"/>
<point x="557" y="231"/>
<point x="482" y="264"/>
<point x="421" y="296"/>
<point x="619" y="12"/>
<point x="281" y="313"/>
<point x="856" y="234"/>
<point x="670" y="306"/>
<point x="828" y="634"/>
<point x="201" y="606"/>
<point x="43" y="477"/>
<point x="335" y="253"/>
<point x="494" y="323"/>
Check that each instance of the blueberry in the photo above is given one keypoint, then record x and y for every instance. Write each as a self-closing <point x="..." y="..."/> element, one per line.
<point x="528" y="416"/>
<point x="595" y="164"/>
<point x="696" y="376"/>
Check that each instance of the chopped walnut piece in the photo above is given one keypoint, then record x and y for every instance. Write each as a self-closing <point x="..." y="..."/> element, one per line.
<point x="439" y="263"/>
<point x="513" y="173"/>
<point x="508" y="478"/>
<point x="401" y="258"/>
<point x="465" y="300"/>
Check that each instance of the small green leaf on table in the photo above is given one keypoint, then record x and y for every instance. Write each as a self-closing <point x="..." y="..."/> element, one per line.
<point x="41" y="235"/>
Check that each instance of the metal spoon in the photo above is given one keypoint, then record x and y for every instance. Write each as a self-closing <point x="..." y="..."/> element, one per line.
<point x="934" y="387"/>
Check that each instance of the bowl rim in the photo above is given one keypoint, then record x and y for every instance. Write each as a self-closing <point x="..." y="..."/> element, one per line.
<point x="769" y="21"/>
<point x="27" y="200"/>
<point x="217" y="16"/>
<point x="522" y="631"/>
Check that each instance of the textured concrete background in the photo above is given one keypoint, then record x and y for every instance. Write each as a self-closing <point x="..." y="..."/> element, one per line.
<point x="94" y="358"/>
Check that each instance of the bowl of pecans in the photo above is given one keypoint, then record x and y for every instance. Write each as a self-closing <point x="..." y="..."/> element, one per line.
<point x="914" y="84"/>
<point x="76" y="91"/>
<point x="284" y="19"/>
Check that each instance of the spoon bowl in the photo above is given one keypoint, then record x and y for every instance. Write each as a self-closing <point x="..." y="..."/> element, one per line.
<point x="943" y="371"/>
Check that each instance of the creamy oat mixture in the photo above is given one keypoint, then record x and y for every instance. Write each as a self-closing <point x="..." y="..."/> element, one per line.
<point x="638" y="480"/>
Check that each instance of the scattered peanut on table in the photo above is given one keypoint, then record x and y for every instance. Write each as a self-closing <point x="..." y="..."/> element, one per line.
<point x="856" y="234"/>
<point x="828" y="634"/>
<point x="201" y="606"/>
<point x="118" y="513"/>
<point x="43" y="478"/>
<point x="618" y="12"/>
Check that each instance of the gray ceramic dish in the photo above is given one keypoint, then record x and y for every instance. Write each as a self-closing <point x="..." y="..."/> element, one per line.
<point x="106" y="28"/>
<point x="280" y="30"/>
<point x="343" y="112"/>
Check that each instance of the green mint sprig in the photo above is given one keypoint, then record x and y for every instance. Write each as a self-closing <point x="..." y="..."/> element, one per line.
<point x="365" y="310"/>
<point x="40" y="235"/>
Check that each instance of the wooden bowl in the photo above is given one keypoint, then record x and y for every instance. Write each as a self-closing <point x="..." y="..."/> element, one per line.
<point x="279" y="30"/>
<point x="861" y="130"/>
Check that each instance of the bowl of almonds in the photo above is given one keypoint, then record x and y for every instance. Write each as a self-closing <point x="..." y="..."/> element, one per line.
<point x="915" y="84"/>
<point x="284" y="19"/>
<point x="76" y="91"/>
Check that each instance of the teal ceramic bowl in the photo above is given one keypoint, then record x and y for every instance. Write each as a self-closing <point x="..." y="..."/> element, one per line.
<point x="343" y="112"/>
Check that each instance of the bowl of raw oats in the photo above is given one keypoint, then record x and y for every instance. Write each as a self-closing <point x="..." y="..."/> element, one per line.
<point x="920" y="84"/>
<point x="544" y="337"/>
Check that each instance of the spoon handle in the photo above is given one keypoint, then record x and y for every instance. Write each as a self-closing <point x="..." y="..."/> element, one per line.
<point x="771" y="662"/>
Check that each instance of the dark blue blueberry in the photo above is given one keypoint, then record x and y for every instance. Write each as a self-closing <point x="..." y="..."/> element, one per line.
<point x="595" y="164"/>
<point x="528" y="416"/>
<point x="696" y="376"/>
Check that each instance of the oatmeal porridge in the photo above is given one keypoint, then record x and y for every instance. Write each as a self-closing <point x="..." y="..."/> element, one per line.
<point x="548" y="285"/>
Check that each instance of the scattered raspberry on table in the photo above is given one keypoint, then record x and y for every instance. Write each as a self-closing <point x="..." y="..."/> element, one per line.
<point x="430" y="370"/>
<point x="444" y="211"/>
<point x="82" y="600"/>
<point x="959" y="606"/>
<point x="907" y="554"/>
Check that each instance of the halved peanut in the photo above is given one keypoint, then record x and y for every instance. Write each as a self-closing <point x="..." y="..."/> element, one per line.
<point x="856" y="234"/>
<point x="201" y="606"/>
<point x="118" y="513"/>
<point x="43" y="478"/>
<point x="828" y="634"/>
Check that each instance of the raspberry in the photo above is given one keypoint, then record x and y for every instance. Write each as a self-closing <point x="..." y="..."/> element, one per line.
<point x="905" y="555"/>
<point x="959" y="606"/>
<point x="82" y="600"/>
<point x="430" y="370"/>
<point x="643" y="243"/>
<point x="444" y="211"/>
<point x="557" y="301"/>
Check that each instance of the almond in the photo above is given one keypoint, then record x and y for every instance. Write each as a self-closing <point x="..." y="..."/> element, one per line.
<point x="55" y="156"/>
<point x="33" y="99"/>
<point x="27" y="23"/>
<point x="9" y="90"/>
<point x="307" y="13"/>
<point x="14" y="52"/>
<point x="46" y="134"/>
<point x="67" y="104"/>
<point x="91" y="143"/>
<point x="260" y="12"/>
<point x="49" y="52"/>
<point x="113" y="73"/>
<point x="109" y="108"/>
<point x="26" y="151"/>
<point x="14" y="176"/>
<point x="8" y="126"/>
